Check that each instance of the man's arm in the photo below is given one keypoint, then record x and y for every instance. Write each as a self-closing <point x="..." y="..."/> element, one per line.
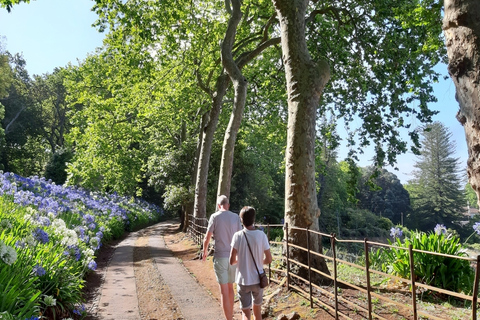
<point x="206" y="241"/>
<point x="268" y="257"/>
<point x="233" y="256"/>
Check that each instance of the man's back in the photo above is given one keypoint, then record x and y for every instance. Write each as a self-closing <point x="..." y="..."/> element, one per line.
<point x="223" y="225"/>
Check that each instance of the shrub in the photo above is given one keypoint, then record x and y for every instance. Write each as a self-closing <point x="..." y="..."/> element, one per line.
<point x="439" y="271"/>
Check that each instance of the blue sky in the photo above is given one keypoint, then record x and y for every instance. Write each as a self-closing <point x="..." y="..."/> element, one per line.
<point x="53" y="33"/>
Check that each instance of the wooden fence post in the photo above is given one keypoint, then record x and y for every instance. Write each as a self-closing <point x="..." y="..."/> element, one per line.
<point x="367" y="273"/>
<point x="412" y="278"/>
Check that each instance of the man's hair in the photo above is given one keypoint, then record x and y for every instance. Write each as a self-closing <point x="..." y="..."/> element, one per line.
<point x="222" y="200"/>
<point x="247" y="214"/>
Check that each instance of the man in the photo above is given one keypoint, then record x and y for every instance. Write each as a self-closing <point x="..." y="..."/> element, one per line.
<point x="222" y="225"/>
<point x="250" y="251"/>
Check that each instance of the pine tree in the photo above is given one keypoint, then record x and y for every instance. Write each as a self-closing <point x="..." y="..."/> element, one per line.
<point x="436" y="192"/>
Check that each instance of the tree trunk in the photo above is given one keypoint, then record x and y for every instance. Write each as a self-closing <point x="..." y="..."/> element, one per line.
<point x="240" y="87"/>
<point x="200" y="206"/>
<point x="305" y="82"/>
<point x="189" y="207"/>
<point x="461" y="27"/>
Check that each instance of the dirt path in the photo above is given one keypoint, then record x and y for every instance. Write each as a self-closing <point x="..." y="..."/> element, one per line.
<point x="153" y="274"/>
<point x="143" y="280"/>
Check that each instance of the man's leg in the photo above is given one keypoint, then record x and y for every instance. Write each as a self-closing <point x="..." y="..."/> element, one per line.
<point x="231" y="295"/>
<point x="226" y="290"/>
<point x="246" y="314"/>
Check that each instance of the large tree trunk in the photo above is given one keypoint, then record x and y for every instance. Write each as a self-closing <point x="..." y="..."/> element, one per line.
<point x="305" y="82"/>
<point x="200" y="206"/>
<point x="240" y="87"/>
<point x="461" y="27"/>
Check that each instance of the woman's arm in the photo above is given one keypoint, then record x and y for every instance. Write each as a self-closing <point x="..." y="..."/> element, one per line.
<point x="268" y="257"/>
<point x="233" y="256"/>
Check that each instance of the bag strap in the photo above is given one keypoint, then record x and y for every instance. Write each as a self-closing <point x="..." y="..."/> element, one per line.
<point x="251" y="251"/>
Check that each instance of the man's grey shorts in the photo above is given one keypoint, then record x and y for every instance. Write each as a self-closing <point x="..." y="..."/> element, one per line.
<point x="245" y="294"/>
<point x="224" y="272"/>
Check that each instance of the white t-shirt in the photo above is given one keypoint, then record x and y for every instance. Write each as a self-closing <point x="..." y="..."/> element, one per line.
<point x="223" y="224"/>
<point x="246" y="273"/>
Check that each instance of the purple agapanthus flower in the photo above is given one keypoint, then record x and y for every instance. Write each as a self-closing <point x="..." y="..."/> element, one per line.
<point x="39" y="270"/>
<point x="40" y="235"/>
<point x="44" y="221"/>
<point x="396" y="232"/>
<point x="79" y="310"/>
<point x="20" y="244"/>
<point x="476" y="227"/>
<point x="92" y="265"/>
<point x="88" y="218"/>
<point x="440" y="229"/>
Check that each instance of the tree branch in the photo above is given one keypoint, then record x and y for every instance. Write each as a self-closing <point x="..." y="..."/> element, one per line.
<point x="249" y="56"/>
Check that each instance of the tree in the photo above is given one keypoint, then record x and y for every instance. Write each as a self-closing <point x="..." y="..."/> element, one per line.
<point x="5" y="81"/>
<point x="375" y="82"/>
<point x="305" y="82"/>
<point x="234" y="69"/>
<point x="437" y="197"/>
<point x="24" y="151"/>
<point x="461" y="27"/>
<point x="383" y="195"/>
<point x="49" y="92"/>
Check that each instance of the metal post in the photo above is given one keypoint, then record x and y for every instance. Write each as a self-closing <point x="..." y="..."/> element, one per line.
<point x="287" y="256"/>
<point x="270" y="264"/>
<point x="412" y="278"/>
<point x="309" y="268"/>
<point x="475" y="290"/>
<point x="367" y="273"/>
<point x="335" y="286"/>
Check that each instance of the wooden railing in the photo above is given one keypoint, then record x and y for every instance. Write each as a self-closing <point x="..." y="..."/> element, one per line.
<point x="197" y="230"/>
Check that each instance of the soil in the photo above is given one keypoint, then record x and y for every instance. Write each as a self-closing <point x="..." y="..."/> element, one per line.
<point x="156" y="301"/>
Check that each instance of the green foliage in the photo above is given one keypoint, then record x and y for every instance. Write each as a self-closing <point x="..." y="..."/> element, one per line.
<point x="56" y="168"/>
<point x="275" y="233"/>
<point x="377" y="89"/>
<point x="363" y="223"/>
<point x="389" y="199"/>
<point x="442" y="272"/>
<point x="5" y="73"/>
<point x="19" y="294"/>
<point x="34" y="120"/>
<point x="471" y="196"/>
<point x="8" y="4"/>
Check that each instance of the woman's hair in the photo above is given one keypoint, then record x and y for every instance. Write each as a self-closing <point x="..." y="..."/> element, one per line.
<point x="247" y="214"/>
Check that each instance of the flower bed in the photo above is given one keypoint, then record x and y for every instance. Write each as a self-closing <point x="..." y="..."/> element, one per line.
<point x="48" y="238"/>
